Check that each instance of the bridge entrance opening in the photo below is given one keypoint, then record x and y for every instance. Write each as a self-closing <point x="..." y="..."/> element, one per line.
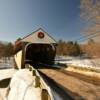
<point x="40" y="54"/>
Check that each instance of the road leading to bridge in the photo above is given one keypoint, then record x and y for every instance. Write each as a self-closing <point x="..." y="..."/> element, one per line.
<point x="74" y="84"/>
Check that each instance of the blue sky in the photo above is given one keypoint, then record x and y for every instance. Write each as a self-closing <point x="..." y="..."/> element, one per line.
<point x="60" y="18"/>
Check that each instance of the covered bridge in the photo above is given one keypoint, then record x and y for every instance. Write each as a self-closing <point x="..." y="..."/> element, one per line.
<point x="36" y="48"/>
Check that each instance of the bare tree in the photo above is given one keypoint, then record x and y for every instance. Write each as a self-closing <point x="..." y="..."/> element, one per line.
<point x="68" y="48"/>
<point x="92" y="49"/>
<point x="90" y="12"/>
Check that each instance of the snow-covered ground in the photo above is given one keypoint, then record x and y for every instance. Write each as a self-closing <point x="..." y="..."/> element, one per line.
<point x="21" y="87"/>
<point x="6" y="63"/>
<point x="5" y="74"/>
<point x="82" y="72"/>
<point x="80" y="62"/>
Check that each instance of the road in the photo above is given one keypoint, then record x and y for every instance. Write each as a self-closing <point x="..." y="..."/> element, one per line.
<point x="78" y="86"/>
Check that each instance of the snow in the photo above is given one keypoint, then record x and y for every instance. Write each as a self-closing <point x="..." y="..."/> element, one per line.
<point x="4" y="74"/>
<point x="87" y="73"/>
<point x="80" y="62"/>
<point x="6" y="63"/>
<point x="21" y="87"/>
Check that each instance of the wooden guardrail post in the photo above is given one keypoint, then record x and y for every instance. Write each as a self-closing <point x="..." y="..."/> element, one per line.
<point x="44" y="95"/>
<point x="33" y="72"/>
<point x="30" y="69"/>
<point x="37" y="81"/>
<point x="27" y="65"/>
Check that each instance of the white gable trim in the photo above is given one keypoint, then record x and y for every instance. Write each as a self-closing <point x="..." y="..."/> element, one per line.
<point x="33" y="38"/>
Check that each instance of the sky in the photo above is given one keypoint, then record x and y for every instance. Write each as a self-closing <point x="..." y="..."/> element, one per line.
<point x="60" y="18"/>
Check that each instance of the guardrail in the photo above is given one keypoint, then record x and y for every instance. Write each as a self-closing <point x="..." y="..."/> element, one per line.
<point x="46" y="93"/>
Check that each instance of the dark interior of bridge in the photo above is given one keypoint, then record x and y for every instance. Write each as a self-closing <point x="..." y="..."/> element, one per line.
<point x="37" y="54"/>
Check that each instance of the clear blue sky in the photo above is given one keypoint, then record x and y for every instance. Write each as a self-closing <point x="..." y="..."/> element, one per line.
<point x="60" y="18"/>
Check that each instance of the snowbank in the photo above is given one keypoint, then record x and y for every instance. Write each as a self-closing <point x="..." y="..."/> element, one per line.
<point x="87" y="73"/>
<point x="77" y="61"/>
<point x="6" y="63"/>
<point x="21" y="87"/>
